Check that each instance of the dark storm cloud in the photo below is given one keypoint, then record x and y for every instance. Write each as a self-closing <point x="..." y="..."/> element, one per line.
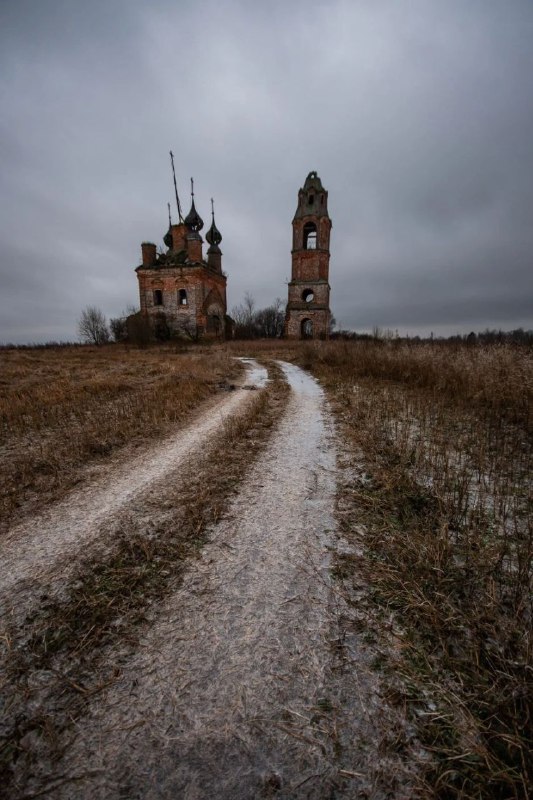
<point x="418" y="117"/>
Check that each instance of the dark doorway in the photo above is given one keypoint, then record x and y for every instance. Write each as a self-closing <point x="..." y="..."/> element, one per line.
<point x="307" y="329"/>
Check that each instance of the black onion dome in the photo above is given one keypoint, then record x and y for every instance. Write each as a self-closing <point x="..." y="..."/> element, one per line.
<point x="167" y="238"/>
<point x="193" y="220"/>
<point x="213" y="235"/>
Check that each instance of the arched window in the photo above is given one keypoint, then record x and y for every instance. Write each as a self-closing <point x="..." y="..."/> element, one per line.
<point x="307" y="329"/>
<point x="309" y="236"/>
<point x="158" y="297"/>
<point x="308" y="295"/>
<point x="182" y="297"/>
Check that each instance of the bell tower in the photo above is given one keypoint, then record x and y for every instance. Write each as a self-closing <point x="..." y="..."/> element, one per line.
<point x="308" y="314"/>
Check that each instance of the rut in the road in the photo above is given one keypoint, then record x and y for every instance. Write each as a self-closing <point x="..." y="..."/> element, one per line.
<point x="233" y="692"/>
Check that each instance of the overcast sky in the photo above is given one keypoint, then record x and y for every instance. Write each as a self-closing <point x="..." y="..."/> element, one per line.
<point x="417" y="115"/>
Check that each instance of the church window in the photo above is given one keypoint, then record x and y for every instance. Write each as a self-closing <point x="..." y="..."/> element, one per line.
<point x="158" y="297"/>
<point x="308" y="296"/>
<point x="311" y="199"/>
<point x="182" y="297"/>
<point x="309" y="236"/>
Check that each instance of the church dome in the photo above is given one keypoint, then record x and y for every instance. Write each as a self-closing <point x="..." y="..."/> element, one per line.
<point x="193" y="220"/>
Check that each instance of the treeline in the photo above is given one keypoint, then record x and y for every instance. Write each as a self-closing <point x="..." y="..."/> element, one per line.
<point x="517" y="336"/>
<point x="247" y="322"/>
<point x="250" y="322"/>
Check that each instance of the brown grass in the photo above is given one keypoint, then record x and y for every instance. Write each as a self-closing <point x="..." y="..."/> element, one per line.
<point x="62" y="409"/>
<point x="497" y="380"/>
<point x="445" y="438"/>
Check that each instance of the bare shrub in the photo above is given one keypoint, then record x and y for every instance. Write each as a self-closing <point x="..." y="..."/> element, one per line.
<point x="119" y="328"/>
<point x="92" y="326"/>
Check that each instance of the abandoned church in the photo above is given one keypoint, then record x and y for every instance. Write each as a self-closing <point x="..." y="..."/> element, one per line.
<point x="179" y="289"/>
<point x="183" y="293"/>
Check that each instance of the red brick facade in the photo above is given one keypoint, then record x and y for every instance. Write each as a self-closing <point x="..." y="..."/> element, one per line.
<point x="180" y="286"/>
<point x="308" y="314"/>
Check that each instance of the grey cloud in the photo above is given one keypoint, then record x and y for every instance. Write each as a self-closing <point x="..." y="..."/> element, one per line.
<point x="418" y="117"/>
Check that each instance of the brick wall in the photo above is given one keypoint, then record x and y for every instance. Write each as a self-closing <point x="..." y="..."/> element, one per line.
<point x="319" y="319"/>
<point x="200" y="284"/>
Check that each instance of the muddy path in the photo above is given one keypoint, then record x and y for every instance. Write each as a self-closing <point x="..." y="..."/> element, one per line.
<point x="249" y="680"/>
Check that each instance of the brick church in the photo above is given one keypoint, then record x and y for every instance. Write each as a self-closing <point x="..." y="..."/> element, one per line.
<point x="186" y="294"/>
<point x="179" y="288"/>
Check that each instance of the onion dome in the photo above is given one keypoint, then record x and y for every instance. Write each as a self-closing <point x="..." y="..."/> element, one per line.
<point x="213" y="235"/>
<point x="193" y="220"/>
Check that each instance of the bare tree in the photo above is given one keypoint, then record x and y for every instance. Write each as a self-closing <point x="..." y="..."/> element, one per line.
<point x="119" y="325"/>
<point x="262" y="323"/>
<point x="92" y="326"/>
<point x="244" y="318"/>
<point x="270" y="321"/>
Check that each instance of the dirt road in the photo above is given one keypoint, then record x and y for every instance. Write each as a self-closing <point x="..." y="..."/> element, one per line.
<point x="249" y="681"/>
<point x="42" y="550"/>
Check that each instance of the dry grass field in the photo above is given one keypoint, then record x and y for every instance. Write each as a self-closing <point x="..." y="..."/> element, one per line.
<point x="435" y="497"/>
<point x="65" y="409"/>
<point x="441" y="442"/>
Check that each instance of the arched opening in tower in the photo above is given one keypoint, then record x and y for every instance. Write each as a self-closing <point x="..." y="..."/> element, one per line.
<point x="182" y="297"/>
<point x="306" y="329"/>
<point x="308" y="295"/>
<point x="309" y="236"/>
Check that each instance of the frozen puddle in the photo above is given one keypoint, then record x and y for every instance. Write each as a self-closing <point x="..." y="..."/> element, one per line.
<point x="257" y="375"/>
<point x="43" y="547"/>
<point x="223" y="698"/>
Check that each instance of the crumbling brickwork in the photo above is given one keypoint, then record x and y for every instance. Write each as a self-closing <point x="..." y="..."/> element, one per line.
<point x="180" y="285"/>
<point x="308" y="314"/>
